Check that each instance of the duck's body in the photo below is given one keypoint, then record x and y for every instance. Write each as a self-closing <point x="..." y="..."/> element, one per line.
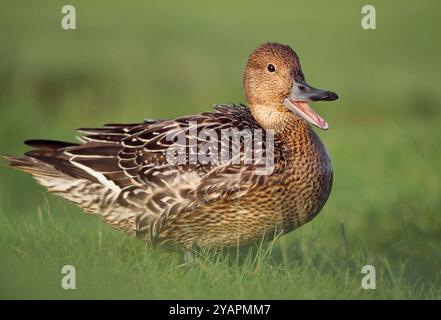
<point x="122" y="173"/>
<point x="267" y="205"/>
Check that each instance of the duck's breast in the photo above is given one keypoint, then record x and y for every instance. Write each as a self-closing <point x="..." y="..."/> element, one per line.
<point x="308" y="178"/>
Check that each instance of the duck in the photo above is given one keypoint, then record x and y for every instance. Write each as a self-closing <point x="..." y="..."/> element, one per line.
<point x="123" y="172"/>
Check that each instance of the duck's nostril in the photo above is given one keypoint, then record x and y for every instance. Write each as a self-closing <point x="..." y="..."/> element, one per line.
<point x="301" y="88"/>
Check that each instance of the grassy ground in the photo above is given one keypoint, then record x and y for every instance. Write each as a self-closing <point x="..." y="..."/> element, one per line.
<point x="125" y="63"/>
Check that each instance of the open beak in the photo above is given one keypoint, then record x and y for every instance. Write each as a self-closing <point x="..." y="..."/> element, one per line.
<point x="301" y="94"/>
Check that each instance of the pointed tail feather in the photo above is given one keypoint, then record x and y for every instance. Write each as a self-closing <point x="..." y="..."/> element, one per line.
<point x="34" y="161"/>
<point x="31" y="165"/>
<point x="46" y="163"/>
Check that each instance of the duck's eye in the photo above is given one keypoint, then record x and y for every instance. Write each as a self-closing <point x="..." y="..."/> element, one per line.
<point x="271" y="68"/>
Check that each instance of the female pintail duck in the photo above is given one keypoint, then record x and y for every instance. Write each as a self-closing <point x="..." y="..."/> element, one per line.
<point x="123" y="173"/>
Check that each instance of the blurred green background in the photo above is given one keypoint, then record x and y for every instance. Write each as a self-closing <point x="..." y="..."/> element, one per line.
<point x="131" y="60"/>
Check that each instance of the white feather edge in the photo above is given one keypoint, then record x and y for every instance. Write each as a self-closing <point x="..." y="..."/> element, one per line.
<point x="98" y="175"/>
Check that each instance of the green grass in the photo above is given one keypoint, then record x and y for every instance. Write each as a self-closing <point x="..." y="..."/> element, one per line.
<point x="129" y="62"/>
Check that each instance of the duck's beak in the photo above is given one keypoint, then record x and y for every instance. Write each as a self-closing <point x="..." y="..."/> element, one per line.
<point x="301" y="94"/>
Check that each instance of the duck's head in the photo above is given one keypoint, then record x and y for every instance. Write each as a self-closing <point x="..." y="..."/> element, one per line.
<point x="273" y="78"/>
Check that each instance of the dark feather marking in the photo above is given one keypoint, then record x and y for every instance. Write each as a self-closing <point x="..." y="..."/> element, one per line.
<point x="104" y="165"/>
<point x="94" y="148"/>
<point x="49" y="144"/>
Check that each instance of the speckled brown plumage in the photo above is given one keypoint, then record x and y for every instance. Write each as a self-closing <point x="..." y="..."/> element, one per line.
<point x="121" y="173"/>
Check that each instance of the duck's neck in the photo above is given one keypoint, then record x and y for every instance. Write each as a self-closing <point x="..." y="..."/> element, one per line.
<point x="280" y="119"/>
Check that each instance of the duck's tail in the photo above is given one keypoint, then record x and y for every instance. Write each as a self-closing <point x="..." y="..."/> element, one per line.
<point x="33" y="162"/>
<point x="55" y="172"/>
<point x="52" y="168"/>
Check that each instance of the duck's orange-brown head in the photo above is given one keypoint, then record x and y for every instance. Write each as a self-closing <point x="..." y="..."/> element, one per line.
<point x="274" y="77"/>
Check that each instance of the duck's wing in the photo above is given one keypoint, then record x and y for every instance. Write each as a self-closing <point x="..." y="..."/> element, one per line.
<point x="134" y="162"/>
<point x="162" y="189"/>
